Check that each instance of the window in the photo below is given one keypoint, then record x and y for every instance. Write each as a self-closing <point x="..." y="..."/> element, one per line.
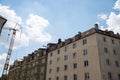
<point x="65" y="77"/>
<point x="74" y="55"/>
<point x="75" y="77"/>
<point x="112" y="41"/>
<point x="57" y="78"/>
<point x="38" y="54"/>
<point x="66" y="48"/>
<point x="57" y="69"/>
<point x="58" y="51"/>
<point x="43" y="60"/>
<point x="44" y="53"/>
<point x="85" y="52"/>
<point x="58" y="59"/>
<point x="36" y="63"/>
<point x="87" y="76"/>
<point x="50" y="61"/>
<point x="86" y="63"/>
<point x="117" y="64"/>
<point x="106" y="50"/>
<point x="84" y="41"/>
<point x="51" y="54"/>
<point x="74" y="45"/>
<point x="114" y="52"/>
<point x="118" y="76"/>
<point x="49" y="79"/>
<point x="75" y="65"/>
<point x="109" y="75"/>
<point x="66" y="57"/>
<point x="42" y="69"/>
<point x="41" y="54"/>
<point x="28" y="66"/>
<point x="50" y="70"/>
<point x="104" y="39"/>
<point x="65" y="67"/>
<point x="107" y="61"/>
<point x="33" y="64"/>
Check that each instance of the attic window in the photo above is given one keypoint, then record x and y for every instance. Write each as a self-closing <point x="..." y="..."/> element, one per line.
<point x="76" y="37"/>
<point x="87" y="33"/>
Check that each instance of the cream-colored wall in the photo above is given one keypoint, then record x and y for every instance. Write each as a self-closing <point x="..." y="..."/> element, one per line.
<point x="110" y="55"/>
<point x="92" y="57"/>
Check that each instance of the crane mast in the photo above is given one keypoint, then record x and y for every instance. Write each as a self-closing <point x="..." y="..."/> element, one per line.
<point x="6" y="65"/>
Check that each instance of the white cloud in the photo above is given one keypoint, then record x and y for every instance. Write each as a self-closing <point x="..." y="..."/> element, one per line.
<point x="12" y="19"/>
<point x="117" y="5"/>
<point x="21" y="40"/>
<point x="35" y="30"/>
<point x="2" y="59"/>
<point x="10" y="15"/>
<point x="102" y="16"/>
<point x="3" y="56"/>
<point x="113" y="22"/>
<point x="113" y="19"/>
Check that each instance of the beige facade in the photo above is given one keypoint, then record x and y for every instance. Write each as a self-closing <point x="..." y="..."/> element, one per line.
<point x="91" y="55"/>
<point x="109" y="56"/>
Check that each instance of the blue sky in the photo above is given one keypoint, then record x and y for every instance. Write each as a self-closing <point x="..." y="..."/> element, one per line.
<point x="46" y="21"/>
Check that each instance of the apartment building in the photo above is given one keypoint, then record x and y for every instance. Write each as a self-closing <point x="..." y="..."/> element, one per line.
<point x="32" y="67"/>
<point x="91" y="55"/>
<point x="14" y="73"/>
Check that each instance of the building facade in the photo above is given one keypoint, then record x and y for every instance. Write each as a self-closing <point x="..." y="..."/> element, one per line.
<point x="32" y="67"/>
<point x="91" y="55"/>
<point x="14" y="72"/>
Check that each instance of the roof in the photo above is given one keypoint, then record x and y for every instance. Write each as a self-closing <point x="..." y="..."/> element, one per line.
<point x="81" y="36"/>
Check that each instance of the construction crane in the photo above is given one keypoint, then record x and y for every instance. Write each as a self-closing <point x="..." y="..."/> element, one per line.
<point x="6" y="65"/>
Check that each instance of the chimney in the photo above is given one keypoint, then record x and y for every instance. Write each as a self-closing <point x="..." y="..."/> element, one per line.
<point x="118" y="34"/>
<point x="79" y="32"/>
<point x="96" y="26"/>
<point x="59" y="41"/>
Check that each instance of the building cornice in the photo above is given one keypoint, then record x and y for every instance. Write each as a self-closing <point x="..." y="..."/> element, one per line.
<point x="81" y="36"/>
